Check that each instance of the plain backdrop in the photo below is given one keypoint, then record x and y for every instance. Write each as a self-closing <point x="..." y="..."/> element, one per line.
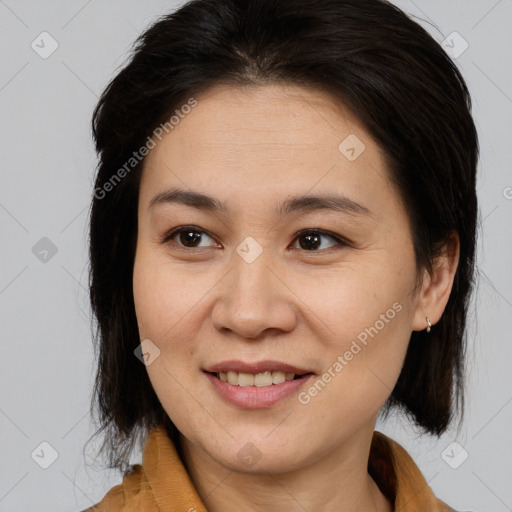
<point x="47" y="170"/>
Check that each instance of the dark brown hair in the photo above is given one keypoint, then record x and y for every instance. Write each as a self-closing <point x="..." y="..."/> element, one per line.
<point x="398" y="82"/>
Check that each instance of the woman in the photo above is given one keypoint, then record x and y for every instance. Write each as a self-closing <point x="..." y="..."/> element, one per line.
<point x="282" y="248"/>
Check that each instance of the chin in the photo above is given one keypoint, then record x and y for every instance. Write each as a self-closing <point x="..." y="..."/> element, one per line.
<point x="256" y="452"/>
<point x="250" y="460"/>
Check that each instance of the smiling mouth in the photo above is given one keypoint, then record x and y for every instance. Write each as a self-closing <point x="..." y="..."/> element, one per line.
<point x="263" y="379"/>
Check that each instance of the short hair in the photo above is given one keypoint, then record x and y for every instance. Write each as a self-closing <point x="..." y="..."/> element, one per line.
<point x="384" y="67"/>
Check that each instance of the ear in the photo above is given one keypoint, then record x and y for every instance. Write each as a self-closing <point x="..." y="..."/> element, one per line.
<point x="436" y="287"/>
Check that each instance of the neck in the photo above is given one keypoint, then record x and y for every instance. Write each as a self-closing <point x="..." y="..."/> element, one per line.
<point x="338" y="481"/>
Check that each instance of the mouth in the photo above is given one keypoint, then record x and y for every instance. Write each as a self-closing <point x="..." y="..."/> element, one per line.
<point x="256" y="385"/>
<point x="260" y="380"/>
<point x="256" y="374"/>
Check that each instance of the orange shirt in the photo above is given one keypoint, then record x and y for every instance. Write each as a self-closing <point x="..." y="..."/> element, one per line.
<point x="162" y="483"/>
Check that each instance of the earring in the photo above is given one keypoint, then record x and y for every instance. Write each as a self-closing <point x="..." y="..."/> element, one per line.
<point x="429" y="324"/>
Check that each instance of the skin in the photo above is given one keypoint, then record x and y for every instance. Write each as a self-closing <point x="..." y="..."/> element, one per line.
<point x="253" y="147"/>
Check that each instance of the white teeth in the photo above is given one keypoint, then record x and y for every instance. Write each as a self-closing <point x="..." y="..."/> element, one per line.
<point x="262" y="379"/>
<point x="245" y="379"/>
<point x="278" y="377"/>
<point x="259" y="380"/>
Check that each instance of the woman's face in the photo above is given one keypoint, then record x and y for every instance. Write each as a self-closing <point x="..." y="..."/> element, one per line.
<point x="242" y="285"/>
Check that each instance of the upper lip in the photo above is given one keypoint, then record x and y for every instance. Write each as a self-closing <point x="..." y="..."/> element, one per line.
<point x="256" y="367"/>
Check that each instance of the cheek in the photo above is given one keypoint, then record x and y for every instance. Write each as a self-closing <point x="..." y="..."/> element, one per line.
<point x="164" y="296"/>
<point x="170" y="305"/>
<point x="361" y="369"/>
<point x="164" y="310"/>
<point x="367" y="320"/>
<point x="359" y="299"/>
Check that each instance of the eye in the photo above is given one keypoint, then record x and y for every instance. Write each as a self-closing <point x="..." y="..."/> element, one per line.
<point x="188" y="237"/>
<point x="312" y="239"/>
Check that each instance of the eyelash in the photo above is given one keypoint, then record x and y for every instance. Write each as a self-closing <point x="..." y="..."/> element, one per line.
<point x="340" y="241"/>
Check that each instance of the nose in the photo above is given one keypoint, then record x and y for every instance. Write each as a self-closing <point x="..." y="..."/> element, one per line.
<point x="254" y="299"/>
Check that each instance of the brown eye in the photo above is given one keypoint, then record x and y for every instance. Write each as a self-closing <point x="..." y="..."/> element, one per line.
<point x="187" y="237"/>
<point x="311" y="240"/>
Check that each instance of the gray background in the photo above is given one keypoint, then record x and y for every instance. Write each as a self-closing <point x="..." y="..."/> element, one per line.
<point x="48" y="166"/>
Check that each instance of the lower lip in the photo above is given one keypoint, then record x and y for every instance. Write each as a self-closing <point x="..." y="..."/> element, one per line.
<point x="253" y="397"/>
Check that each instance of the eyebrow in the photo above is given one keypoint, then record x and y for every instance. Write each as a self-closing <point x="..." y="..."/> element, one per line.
<point x="306" y="203"/>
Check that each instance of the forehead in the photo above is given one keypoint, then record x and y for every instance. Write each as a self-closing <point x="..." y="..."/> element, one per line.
<point x="275" y="117"/>
<point x="267" y="141"/>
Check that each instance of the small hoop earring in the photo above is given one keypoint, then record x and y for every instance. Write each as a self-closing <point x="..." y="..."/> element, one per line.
<point x="429" y="324"/>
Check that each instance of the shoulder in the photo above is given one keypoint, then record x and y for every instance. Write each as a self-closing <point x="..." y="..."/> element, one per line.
<point x="134" y="483"/>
